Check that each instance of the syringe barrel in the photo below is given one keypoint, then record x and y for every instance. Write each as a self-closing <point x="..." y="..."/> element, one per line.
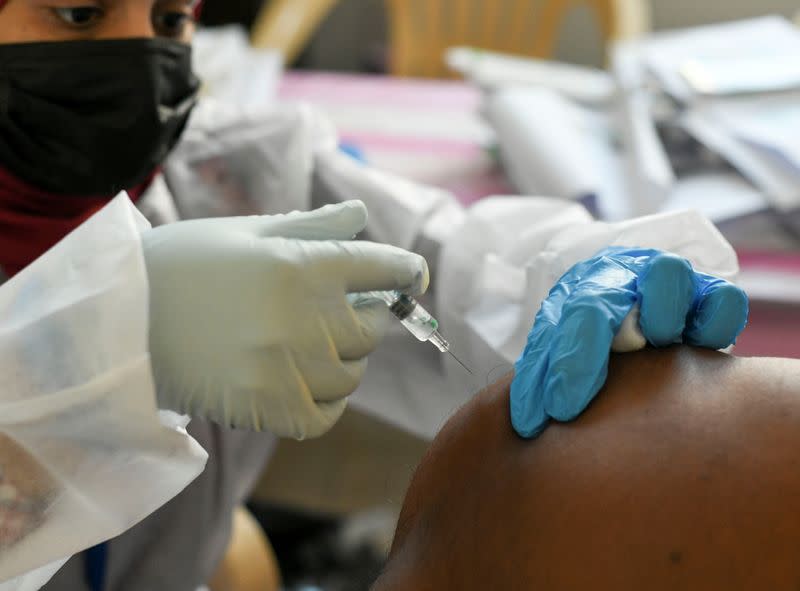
<point x="414" y="317"/>
<point x="421" y="324"/>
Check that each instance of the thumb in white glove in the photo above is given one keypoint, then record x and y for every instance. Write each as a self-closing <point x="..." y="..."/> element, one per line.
<point x="250" y="321"/>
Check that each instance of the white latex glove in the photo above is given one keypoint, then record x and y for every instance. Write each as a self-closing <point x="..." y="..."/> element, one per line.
<point x="250" y="322"/>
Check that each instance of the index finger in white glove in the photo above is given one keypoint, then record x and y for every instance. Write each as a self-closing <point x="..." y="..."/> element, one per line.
<point x="341" y="221"/>
<point x="369" y="266"/>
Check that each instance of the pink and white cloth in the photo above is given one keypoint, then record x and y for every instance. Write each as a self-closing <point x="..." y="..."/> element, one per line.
<point x="427" y="131"/>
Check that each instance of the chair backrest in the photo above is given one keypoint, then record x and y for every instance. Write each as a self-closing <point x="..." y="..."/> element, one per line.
<point x="287" y="25"/>
<point x="421" y="30"/>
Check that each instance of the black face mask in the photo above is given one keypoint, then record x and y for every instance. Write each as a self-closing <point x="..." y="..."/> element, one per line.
<point x="92" y="117"/>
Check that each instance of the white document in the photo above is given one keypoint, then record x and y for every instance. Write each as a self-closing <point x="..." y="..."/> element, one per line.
<point x="648" y="168"/>
<point x="552" y="146"/>
<point x="757" y="55"/>
<point x="719" y="196"/>
<point x="491" y="71"/>
<point x="770" y="122"/>
<point x="765" y="167"/>
<point x="715" y="71"/>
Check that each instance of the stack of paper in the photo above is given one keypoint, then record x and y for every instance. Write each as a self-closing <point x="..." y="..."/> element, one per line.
<point x="552" y="146"/>
<point x="493" y="71"/>
<point x="735" y="87"/>
<point x="744" y="57"/>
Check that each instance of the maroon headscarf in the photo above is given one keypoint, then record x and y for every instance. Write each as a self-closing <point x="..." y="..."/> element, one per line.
<point x="32" y="221"/>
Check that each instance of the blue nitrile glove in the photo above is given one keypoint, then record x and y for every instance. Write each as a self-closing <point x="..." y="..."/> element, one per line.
<point x="565" y="362"/>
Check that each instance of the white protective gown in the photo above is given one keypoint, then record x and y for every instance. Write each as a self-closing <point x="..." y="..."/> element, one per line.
<point x="77" y="393"/>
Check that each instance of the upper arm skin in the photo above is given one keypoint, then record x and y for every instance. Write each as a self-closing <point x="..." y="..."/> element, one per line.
<point x="683" y="474"/>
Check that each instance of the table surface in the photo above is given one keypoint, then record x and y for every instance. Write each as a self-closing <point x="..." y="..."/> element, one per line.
<point x="432" y="132"/>
<point x="428" y="131"/>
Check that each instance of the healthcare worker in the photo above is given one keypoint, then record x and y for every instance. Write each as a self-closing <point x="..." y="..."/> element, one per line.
<point x="243" y="322"/>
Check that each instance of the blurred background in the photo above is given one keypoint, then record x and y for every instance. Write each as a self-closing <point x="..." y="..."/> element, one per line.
<point x="329" y="506"/>
<point x="353" y="37"/>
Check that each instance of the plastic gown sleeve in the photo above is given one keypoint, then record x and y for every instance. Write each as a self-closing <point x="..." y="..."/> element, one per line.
<point x="84" y="452"/>
<point x="234" y="161"/>
<point x="399" y="209"/>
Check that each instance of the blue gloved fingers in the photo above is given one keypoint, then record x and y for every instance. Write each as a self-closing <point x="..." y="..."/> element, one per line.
<point x="528" y="416"/>
<point x="357" y="334"/>
<point x="720" y="313"/>
<point x="565" y="362"/>
<point x="590" y="278"/>
<point x="527" y="388"/>
<point x="579" y="352"/>
<point x="667" y="290"/>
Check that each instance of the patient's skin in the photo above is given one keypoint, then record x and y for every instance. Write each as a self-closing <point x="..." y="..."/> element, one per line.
<point x="683" y="474"/>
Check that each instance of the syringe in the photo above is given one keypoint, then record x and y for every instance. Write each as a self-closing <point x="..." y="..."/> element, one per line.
<point x="416" y="319"/>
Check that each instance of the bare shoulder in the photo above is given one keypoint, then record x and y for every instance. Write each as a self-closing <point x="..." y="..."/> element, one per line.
<point x="658" y="386"/>
<point x="683" y="473"/>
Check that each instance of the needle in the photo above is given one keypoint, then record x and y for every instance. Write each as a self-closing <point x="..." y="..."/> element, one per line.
<point x="460" y="363"/>
<point x="416" y="319"/>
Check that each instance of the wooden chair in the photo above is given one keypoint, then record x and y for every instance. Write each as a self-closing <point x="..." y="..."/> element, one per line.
<point x="421" y="30"/>
<point x="288" y="25"/>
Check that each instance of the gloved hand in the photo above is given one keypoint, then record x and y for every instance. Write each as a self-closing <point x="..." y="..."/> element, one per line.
<point x="565" y="361"/>
<point x="250" y="322"/>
